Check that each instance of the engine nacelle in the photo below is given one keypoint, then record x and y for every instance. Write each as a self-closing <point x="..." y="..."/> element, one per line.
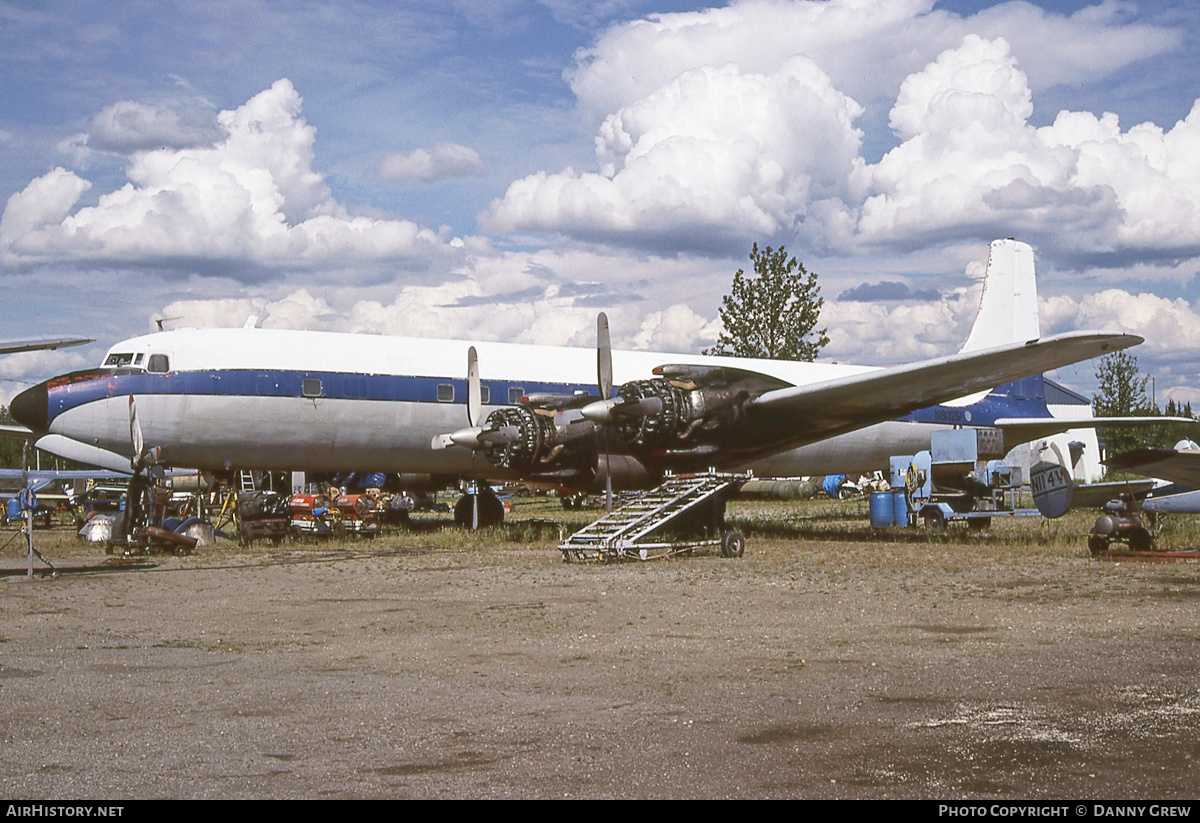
<point x="653" y="418"/>
<point x="541" y="444"/>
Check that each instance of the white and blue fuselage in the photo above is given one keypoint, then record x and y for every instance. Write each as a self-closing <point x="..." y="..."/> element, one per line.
<point x="318" y="401"/>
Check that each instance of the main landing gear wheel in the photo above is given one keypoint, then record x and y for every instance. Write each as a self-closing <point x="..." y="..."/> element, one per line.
<point x="491" y="510"/>
<point x="733" y="544"/>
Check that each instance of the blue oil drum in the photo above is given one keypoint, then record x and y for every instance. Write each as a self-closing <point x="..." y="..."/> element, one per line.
<point x="899" y="507"/>
<point x="882" y="510"/>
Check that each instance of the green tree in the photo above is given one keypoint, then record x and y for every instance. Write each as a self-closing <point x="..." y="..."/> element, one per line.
<point x="1122" y="393"/>
<point x="772" y="314"/>
<point x="10" y="449"/>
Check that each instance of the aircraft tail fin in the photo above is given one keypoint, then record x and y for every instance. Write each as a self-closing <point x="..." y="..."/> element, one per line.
<point x="1008" y="308"/>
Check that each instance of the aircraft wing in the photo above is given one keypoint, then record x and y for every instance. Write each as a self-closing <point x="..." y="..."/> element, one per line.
<point x="1181" y="467"/>
<point x="39" y="343"/>
<point x="799" y="415"/>
<point x="50" y="475"/>
<point x="1023" y="429"/>
<point x="84" y="453"/>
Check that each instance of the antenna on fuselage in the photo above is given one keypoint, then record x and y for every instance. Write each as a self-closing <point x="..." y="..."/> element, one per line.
<point x="158" y="321"/>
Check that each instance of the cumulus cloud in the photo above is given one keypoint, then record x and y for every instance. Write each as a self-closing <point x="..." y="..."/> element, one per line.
<point x="445" y="160"/>
<point x="548" y="297"/>
<point x="127" y="126"/>
<point x="1171" y="353"/>
<point x="723" y="126"/>
<point x="889" y="332"/>
<point x="885" y="290"/>
<point x="970" y="164"/>
<point x="252" y="199"/>
<point x="676" y="328"/>
<point x="713" y="159"/>
<point x="866" y="46"/>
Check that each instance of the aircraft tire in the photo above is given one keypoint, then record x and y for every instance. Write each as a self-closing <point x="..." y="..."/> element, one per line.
<point x="733" y="544"/>
<point x="491" y="511"/>
<point x="1141" y="541"/>
<point x="1097" y="544"/>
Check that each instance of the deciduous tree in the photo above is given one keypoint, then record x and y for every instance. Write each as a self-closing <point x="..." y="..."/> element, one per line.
<point x="773" y="313"/>
<point x="1122" y="393"/>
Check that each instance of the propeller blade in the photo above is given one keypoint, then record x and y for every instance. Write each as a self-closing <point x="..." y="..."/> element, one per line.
<point x="135" y="432"/>
<point x="604" y="368"/>
<point x="474" y="392"/>
<point x="604" y="382"/>
<point x="147" y="459"/>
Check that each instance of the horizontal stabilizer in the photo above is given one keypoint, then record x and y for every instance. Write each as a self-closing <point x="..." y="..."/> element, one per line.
<point x="70" y="449"/>
<point x="1023" y="429"/>
<point x="44" y="476"/>
<point x="15" y="433"/>
<point x="800" y="415"/>
<point x="41" y="343"/>
<point x="1181" y="467"/>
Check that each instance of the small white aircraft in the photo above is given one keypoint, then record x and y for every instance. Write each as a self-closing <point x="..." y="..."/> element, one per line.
<point x="264" y="399"/>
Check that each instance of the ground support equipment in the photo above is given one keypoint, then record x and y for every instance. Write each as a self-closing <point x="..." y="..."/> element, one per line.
<point x="687" y="510"/>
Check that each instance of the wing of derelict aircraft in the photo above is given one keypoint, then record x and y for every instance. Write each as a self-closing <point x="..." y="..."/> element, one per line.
<point x="800" y="415"/>
<point x="1023" y="429"/>
<point x="50" y="475"/>
<point x="1178" y="466"/>
<point x="70" y="449"/>
<point x="41" y="343"/>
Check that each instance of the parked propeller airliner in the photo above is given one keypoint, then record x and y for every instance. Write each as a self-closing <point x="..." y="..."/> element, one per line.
<point x="251" y="398"/>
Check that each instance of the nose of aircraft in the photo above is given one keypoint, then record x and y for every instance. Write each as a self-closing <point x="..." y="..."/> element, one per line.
<point x="30" y="408"/>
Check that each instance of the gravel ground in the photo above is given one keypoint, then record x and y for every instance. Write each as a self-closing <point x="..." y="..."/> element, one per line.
<point x="808" y="668"/>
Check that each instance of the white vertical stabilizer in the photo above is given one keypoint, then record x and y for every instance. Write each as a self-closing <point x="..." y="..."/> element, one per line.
<point x="1008" y="309"/>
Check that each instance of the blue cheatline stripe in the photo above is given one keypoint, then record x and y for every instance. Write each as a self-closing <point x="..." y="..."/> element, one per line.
<point x="79" y="388"/>
<point x="1020" y="398"/>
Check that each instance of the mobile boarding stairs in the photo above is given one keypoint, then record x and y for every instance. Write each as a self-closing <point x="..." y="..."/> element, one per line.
<point x="686" y="512"/>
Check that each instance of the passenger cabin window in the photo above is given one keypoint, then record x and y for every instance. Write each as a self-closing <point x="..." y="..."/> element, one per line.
<point x="485" y="395"/>
<point x="119" y="359"/>
<point x="445" y="393"/>
<point x="515" y="393"/>
<point x="311" y="387"/>
<point x="158" y="364"/>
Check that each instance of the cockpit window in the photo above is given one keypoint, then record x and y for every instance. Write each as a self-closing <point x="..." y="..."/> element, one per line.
<point x="158" y="364"/>
<point x="119" y="359"/>
<point x="137" y="359"/>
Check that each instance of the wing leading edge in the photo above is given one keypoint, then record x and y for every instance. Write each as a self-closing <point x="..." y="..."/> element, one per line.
<point x="800" y="415"/>
<point x="1177" y="466"/>
<point x="1024" y="429"/>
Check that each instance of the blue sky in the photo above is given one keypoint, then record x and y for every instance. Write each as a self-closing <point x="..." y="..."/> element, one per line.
<point x="504" y="170"/>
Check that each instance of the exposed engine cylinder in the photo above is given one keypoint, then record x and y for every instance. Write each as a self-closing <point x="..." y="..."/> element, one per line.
<point x="681" y="418"/>
<point x="536" y="436"/>
<point x="660" y="430"/>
